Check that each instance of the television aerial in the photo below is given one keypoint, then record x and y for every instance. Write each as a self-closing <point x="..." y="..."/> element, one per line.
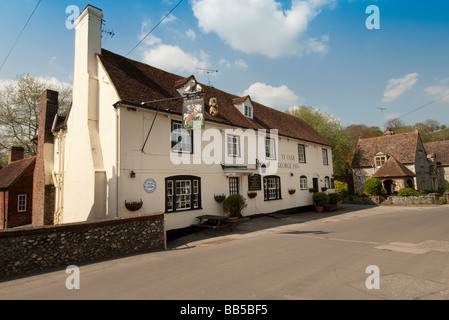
<point x="208" y="71"/>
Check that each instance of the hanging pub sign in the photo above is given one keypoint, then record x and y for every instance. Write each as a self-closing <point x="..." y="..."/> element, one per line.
<point x="193" y="110"/>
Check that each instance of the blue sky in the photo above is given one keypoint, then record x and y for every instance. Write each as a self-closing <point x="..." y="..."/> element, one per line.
<point x="317" y="53"/>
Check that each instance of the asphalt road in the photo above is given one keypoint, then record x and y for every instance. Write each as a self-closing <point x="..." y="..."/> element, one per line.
<point x="300" y="257"/>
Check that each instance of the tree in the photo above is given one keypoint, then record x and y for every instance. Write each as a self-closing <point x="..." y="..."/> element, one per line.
<point x="330" y="128"/>
<point x="19" y="112"/>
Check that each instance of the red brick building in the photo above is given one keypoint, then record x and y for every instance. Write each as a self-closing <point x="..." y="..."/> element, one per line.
<point x="16" y="190"/>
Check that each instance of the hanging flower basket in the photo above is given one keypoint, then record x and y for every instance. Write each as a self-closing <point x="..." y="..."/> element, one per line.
<point x="291" y="191"/>
<point x="219" y="197"/>
<point x="134" y="206"/>
<point x="252" y="194"/>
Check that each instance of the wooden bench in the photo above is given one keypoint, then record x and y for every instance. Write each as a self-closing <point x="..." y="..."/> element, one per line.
<point x="212" y="222"/>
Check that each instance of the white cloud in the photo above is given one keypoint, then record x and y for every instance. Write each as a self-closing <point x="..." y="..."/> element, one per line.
<point x="174" y="59"/>
<point x="190" y="34"/>
<point x="241" y="64"/>
<point x="225" y="63"/>
<point x="397" y="87"/>
<point x="313" y="45"/>
<point x="271" y="96"/>
<point x="170" y="57"/>
<point x="50" y="82"/>
<point x="439" y="90"/>
<point x="261" y="26"/>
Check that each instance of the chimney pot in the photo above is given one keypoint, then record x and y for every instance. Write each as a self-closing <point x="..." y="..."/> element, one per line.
<point x="15" y="154"/>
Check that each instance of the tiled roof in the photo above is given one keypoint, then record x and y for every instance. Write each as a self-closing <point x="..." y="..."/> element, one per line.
<point x="13" y="171"/>
<point x="137" y="82"/>
<point x="393" y="168"/>
<point x="401" y="146"/>
<point x="440" y="149"/>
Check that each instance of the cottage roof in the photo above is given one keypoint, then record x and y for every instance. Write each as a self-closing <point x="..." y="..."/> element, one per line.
<point x="10" y="173"/>
<point x="401" y="146"/>
<point x="392" y="168"/>
<point x="136" y="82"/>
<point x="440" y="149"/>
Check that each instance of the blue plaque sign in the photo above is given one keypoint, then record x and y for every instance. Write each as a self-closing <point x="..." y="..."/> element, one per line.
<point x="150" y="185"/>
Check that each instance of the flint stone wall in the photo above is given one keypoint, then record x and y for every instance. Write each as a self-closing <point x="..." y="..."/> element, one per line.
<point x="431" y="199"/>
<point x="37" y="249"/>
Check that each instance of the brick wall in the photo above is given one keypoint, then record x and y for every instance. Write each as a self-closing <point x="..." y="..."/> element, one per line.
<point x="43" y="196"/>
<point x="43" y="248"/>
<point x="24" y="185"/>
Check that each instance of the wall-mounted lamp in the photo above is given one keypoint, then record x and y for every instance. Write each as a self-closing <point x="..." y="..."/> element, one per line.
<point x="132" y="174"/>
<point x="264" y="168"/>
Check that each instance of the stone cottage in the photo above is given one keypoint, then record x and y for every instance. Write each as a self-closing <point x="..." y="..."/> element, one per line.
<point x="399" y="160"/>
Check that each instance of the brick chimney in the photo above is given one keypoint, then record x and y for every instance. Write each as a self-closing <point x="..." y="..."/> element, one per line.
<point x="16" y="153"/>
<point x="43" y="187"/>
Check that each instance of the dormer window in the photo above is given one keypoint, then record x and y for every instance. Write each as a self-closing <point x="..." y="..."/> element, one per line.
<point x="379" y="160"/>
<point x="248" y="111"/>
<point x="245" y="106"/>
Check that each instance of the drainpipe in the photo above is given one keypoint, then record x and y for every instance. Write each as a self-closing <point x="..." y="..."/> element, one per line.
<point x="4" y="209"/>
<point x="117" y="169"/>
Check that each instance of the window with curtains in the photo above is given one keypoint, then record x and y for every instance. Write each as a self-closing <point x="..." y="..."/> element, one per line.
<point x="272" y="188"/>
<point x="182" y="193"/>
<point x="181" y="139"/>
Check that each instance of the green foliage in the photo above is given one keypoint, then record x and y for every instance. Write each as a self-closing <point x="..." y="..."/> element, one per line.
<point x="320" y="199"/>
<point x="341" y="188"/>
<point x="373" y="187"/>
<point x="234" y="204"/>
<point x="335" y="198"/>
<point x="443" y="200"/>
<point x="410" y="192"/>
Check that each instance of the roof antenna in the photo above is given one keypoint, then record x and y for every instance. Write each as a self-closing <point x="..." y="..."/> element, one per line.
<point x="208" y="71"/>
<point x="107" y="31"/>
<point x="382" y="111"/>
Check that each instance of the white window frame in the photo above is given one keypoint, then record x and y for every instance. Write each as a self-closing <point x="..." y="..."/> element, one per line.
<point x="248" y="111"/>
<point x="379" y="161"/>
<point x="303" y="183"/>
<point x="325" y="157"/>
<point x="327" y="182"/>
<point x="233" y="145"/>
<point x="22" y="201"/>
<point x="301" y="153"/>
<point x="270" y="148"/>
<point x="186" y="143"/>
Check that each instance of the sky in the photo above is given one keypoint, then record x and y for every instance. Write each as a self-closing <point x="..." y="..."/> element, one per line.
<point x="363" y="62"/>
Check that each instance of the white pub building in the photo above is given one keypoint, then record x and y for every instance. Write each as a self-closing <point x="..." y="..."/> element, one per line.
<point x="133" y="144"/>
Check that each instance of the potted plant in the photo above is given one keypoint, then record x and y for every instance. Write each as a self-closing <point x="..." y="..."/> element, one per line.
<point x="291" y="191"/>
<point x="334" y="200"/>
<point x="233" y="206"/>
<point x="320" y="200"/>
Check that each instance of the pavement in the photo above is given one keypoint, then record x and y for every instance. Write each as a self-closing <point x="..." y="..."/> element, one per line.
<point x="252" y="226"/>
